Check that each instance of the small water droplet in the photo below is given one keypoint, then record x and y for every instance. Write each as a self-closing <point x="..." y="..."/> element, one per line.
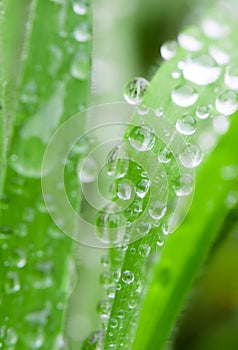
<point x="203" y="112"/>
<point x="184" y="95"/>
<point x="12" y="284"/>
<point x="191" y="156"/>
<point x="143" y="228"/>
<point x="168" y="49"/>
<point x="221" y="124"/>
<point x="135" y="90"/>
<point x="157" y="210"/>
<point x="128" y="277"/>
<point x="88" y="170"/>
<point x="184" y="185"/>
<point x="201" y="70"/>
<point x="159" y="112"/>
<point x="80" y="66"/>
<point x="143" y="110"/>
<point x="227" y="102"/>
<point x="81" y="33"/>
<point x="94" y="341"/>
<point x="11" y="337"/>
<point x="80" y="8"/>
<point x="142" y="138"/>
<point x="165" y="155"/>
<point x="144" y="250"/>
<point x="186" y="125"/>
<point x="142" y="188"/>
<point x="231" y="77"/>
<point x="124" y="190"/>
<point x="104" y="309"/>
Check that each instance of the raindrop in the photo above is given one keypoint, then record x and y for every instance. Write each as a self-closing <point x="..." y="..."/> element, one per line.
<point x="79" y="8"/>
<point x="226" y="102"/>
<point x="221" y="124"/>
<point x="157" y="210"/>
<point x="81" y="33"/>
<point x="219" y="56"/>
<point x="128" y="277"/>
<point x="143" y="228"/>
<point x="184" y="95"/>
<point x="144" y="250"/>
<point x="203" y="112"/>
<point x="135" y="90"/>
<point x="191" y="156"/>
<point x="214" y="29"/>
<point x="12" y="284"/>
<point x="124" y="190"/>
<point x="231" y="77"/>
<point x="168" y="50"/>
<point x="201" y="70"/>
<point x="186" y="125"/>
<point x="165" y="155"/>
<point x="184" y="185"/>
<point x="189" y="40"/>
<point x="142" y="138"/>
<point x="88" y="170"/>
<point x="142" y="188"/>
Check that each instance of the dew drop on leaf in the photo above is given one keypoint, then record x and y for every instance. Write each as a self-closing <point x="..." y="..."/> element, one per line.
<point x="189" y="40"/>
<point x="79" y="7"/>
<point x="186" y="125"/>
<point x="221" y="124"/>
<point x="184" y="95"/>
<point x="88" y="170"/>
<point x="142" y="138"/>
<point x="231" y="77"/>
<point x="191" y="156"/>
<point x="128" y="277"/>
<point x="227" y="102"/>
<point x="168" y="49"/>
<point x="203" y="112"/>
<point x="135" y="90"/>
<point x="157" y="210"/>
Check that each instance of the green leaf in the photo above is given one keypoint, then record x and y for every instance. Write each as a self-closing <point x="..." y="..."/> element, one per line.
<point x="37" y="264"/>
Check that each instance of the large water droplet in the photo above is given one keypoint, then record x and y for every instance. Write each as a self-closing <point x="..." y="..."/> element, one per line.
<point x="226" y="102"/>
<point x="219" y="55"/>
<point x="124" y="190"/>
<point x="191" y="156"/>
<point x="143" y="228"/>
<point x="165" y="155"/>
<point x="213" y="29"/>
<point x="142" y="138"/>
<point x="190" y="40"/>
<point x="184" y="185"/>
<point x="186" y="125"/>
<point x="201" y="70"/>
<point x="135" y="90"/>
<point x="184" y="95"/>
<point x="231" y="77"/>
<point x="157" y="210"/>
<point x="168" y="49"/>
<point x="128" y="277"/>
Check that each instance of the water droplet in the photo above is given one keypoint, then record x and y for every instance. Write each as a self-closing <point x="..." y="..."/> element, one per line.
<point x="105" y="261"/>
<point x="81" y="33"/>
<point x="176" y="75"/>
<point x="184" y="185"/>
<point x="186" y="125"/>
<point x="132" y="303"/>
<point x="11" y="337"/>
<point x="111" y="292"/>
<point x="157" y="210"/>
<point x="203" y="112"/>
<point x="219" y="55"/>
<point x="231" y="77"/>
<point x="159" y="112"/>
<point x="143" y="228"/>
<point x="42" y="275"/>
<point x="88" y="170"/>
<point x="135" y="90"/>
<point x="94" y="341"/>
<point x="143" y="110"/>
<point x="12" y="284"/>
<point x="128" y="277"/>
<point x="226" y="102"/>
<point x="191" y="156"/>
<point x="190" y="40"/>
<point x="160" y="242"/>
<point x="221" y="124"/>
<point x="144" y="250"/>
<point x="168" y="50"/>
<point x="165" y="155"/>
<point x="201" y="70"/>
<point x="142" y="138"/>
<point x="80" y="66"/>
<point x="142" y="188"/>
<point x="213" y="29"/>
<point x="104" y="309"/>
<point x="184" y="95"/>
<point x="80" y="8"/>
<point x="17" y="258"/>
<point x="124" y="190"/>
<point x="165" y="229"/>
